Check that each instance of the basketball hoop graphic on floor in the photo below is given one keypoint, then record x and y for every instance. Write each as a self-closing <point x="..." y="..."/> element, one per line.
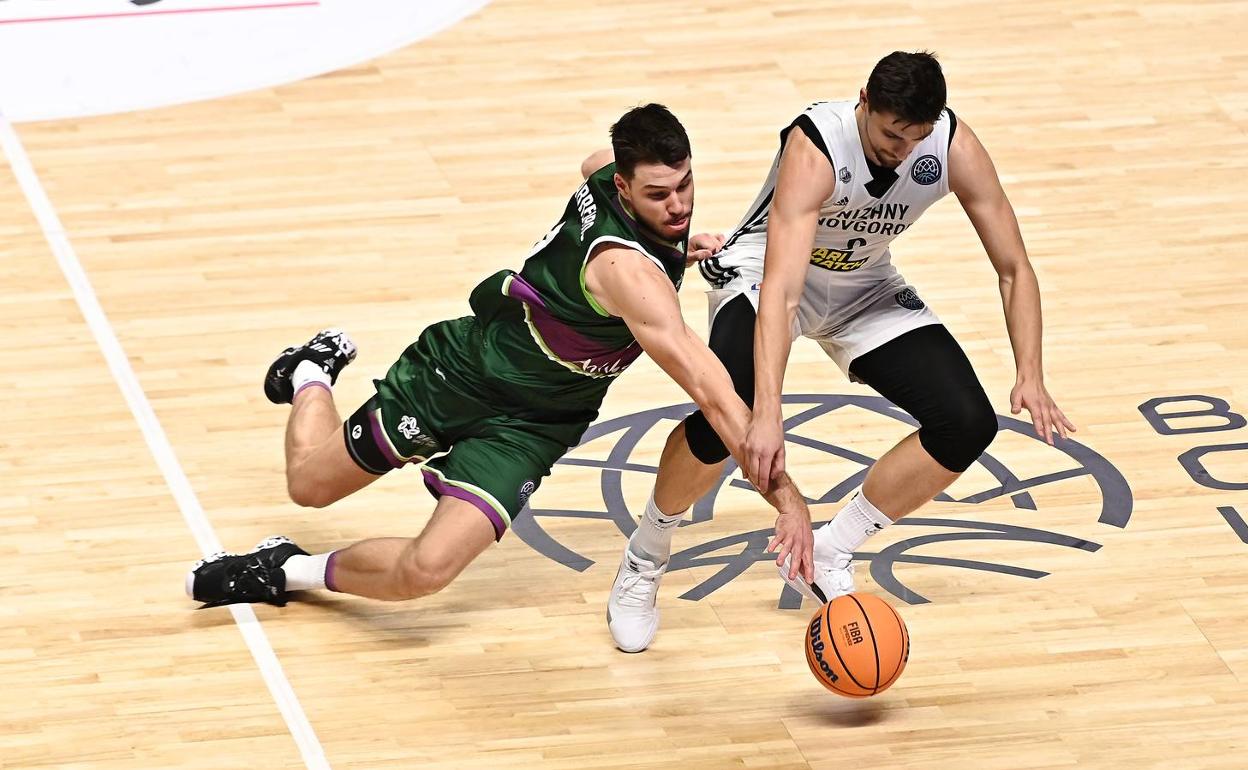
<point x="735" y="553"/>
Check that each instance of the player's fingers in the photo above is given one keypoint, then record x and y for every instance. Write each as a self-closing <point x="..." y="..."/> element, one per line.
<point x="771" y="544"/>
<point x="782" y="554"/>
<point x="1059" y="422"/>
<point x="777" y="463"/>
<point x="1070" y="426"/>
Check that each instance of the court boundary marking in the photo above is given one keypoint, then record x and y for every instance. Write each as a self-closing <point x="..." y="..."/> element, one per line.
<point x="158" y="443"/>
<point x="165" y="12"/>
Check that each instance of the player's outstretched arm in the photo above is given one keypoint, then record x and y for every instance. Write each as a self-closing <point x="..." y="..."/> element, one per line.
<point x="805" y="180"/>
<point x="973" y="178"/>
<point x="631" y="287"/>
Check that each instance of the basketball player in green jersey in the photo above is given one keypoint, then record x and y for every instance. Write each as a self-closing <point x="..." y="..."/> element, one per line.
<point x="497" y="397"/>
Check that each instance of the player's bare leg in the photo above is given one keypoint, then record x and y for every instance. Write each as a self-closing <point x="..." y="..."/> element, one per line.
<point x="632" y="613"/>
<point x="398" y="568"/>
<point x="319" y="471"/>
<point x="906" y="478"/>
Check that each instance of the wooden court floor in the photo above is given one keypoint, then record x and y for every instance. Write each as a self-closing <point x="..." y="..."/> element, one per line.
<point x="1081" y="606"/>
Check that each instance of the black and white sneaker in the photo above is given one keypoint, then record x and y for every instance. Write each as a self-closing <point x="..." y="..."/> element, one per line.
<point x="231" y="578"/>
<point x="330" y="349"/>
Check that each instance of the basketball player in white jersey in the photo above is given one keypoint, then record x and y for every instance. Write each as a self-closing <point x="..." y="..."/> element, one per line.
<point x="849" y="178"/>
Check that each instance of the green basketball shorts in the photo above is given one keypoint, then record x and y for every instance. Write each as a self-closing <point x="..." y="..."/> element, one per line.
<point x="480" y="439"/>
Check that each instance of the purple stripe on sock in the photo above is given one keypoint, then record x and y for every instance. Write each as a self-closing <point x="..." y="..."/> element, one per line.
<point x="309" y="384"/>
<point x="439" y="488"/>
<point x="374" y="419"/>
<point x="329" y="572"/>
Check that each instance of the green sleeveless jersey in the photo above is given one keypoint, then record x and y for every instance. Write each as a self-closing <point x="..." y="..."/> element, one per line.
<point x="541" y="328"/>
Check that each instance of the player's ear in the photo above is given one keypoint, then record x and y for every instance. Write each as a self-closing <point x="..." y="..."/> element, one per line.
<point x="621" y="185"/>
<point x="862" y="100"/>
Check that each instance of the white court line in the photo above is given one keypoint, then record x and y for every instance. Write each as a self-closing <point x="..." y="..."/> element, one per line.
<point x="157" y="441"/>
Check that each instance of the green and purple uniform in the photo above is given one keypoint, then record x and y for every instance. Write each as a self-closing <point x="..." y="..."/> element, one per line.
<point x="490" y="401"/>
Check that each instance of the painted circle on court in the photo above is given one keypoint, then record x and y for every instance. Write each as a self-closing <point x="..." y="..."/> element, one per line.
<point x="91" y="57"/>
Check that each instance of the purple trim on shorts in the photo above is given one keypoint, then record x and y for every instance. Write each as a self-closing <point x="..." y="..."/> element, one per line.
<point x="565" y="342"/>
<point x="379" y="437"/>
<point x="439" y="488"/>
<point x="329" y="572"/>
<point x="309" y="384"/>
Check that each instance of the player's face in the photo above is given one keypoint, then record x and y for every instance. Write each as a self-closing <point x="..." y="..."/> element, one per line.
<point x="661" y="196"/>
<point x="887" y="139"/>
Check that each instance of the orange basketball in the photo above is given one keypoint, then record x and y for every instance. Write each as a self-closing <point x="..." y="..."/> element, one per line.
<point x="857" y="645"/>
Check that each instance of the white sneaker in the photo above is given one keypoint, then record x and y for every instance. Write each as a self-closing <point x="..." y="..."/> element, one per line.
<point x="832" y="578"/>
<point x="631" y="612"/>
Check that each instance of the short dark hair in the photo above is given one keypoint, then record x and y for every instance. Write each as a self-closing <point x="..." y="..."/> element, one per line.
<point x="909" y="85"/>
<point x="648" y="134"/>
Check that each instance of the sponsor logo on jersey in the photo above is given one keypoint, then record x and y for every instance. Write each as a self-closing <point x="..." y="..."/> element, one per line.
<point x="842" y="202"/>
<point x="926" y="170"/>
<point x="844" y="175"/>
<point x="837" y="260"/>
<point x="586" y="207"/>
<point x="909" y="300"/>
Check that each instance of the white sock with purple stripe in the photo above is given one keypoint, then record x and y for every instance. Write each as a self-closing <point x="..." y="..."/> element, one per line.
<point x="304" y="573"/>
<point x="307" y="374"/>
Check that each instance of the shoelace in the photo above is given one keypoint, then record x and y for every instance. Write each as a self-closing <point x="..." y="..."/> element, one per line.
<point x="346" y="348"/>
<point x="638" y="589"/>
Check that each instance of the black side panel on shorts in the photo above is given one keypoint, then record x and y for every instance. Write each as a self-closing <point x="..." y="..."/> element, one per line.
<point x="732" y="341"/>
<point x="357" y="431"/>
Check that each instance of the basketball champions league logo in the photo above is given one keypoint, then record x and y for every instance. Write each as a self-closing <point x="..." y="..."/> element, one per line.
<point x="733" y="554"/>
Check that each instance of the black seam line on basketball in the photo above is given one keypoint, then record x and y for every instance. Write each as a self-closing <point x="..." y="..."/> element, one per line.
<point x="901" y="634"/>
<point x="826" y="610"/>
<point x="832" y="641"/>
<point x="874" y="647"/>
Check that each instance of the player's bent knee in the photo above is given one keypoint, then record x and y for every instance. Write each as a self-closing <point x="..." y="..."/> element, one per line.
<point x="307" y="494"/>
<point x="963" y="433"/>
<point x="704" y="442"/>
<point x="424" y="574"/>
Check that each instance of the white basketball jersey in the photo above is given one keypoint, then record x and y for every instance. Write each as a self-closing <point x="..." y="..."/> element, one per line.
<point x="869" y="207"/>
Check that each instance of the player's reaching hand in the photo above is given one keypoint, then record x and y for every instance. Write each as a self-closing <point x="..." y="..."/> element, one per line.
<point x="703" y="246"/>
<point x="764" y="451"/>
<point x="1045" y="416"/>
<point x="795" y="536"/>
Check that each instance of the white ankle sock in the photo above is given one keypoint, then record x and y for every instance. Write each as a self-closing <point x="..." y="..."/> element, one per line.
<point x="846" y="533"/>
<point x="304" y="573"/>
<point x="307" y="373"/>
<point x="653" y="539"/>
